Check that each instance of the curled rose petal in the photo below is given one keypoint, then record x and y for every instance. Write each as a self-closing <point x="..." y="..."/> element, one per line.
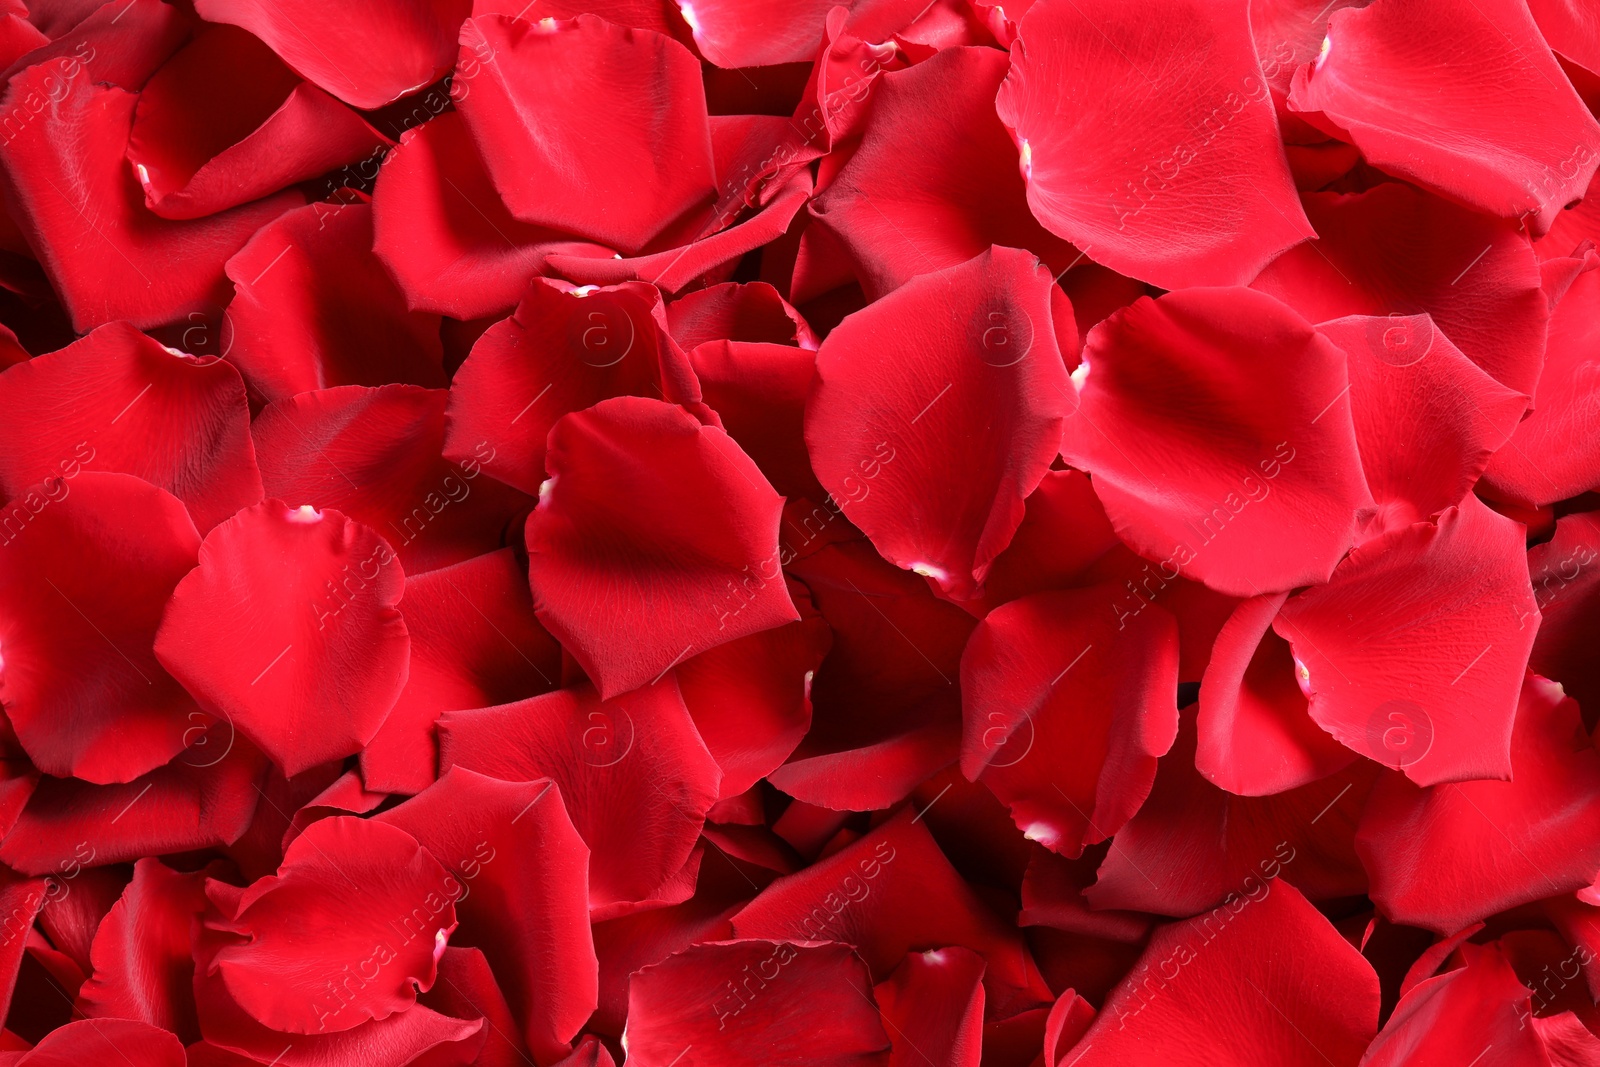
<point x="933" y="1003"/>
<point x="1457" y="1015"/>
<point x="289" y="629"/>
<point x="1198" y="191"/>
<point x="655" y="539"/>
<point x="1565" y="572"/>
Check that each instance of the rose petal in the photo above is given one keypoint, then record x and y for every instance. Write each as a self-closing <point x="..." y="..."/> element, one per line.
<point x="137" y="1044"/>
<point x="1460" y="1014"/>
<point x="754" y="312"/>
<point x="1565" y="588"/>
<point x="933" y="1007"/>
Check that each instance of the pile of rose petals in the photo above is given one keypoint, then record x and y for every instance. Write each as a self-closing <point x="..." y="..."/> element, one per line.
<point x="904" y="533"/>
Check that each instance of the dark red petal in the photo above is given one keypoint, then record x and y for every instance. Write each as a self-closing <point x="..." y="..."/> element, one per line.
<point x="143" y="964"/>
<point x="1066" y="710"/>
<point x="1566" y="584"/>
<point x="225" y="122"/>
<point x="751" y="698"/>
<point x="352" y="895"/>
<point x="1193" y="846"/>
<point x="365" y="55"/>
<point x="1460" y="1015"/>
<point x="518" y="873"/>
<point x="654" y="540"/>
<point x="627" y="944"/>
<point x="374" y="455"/>
<point x="1198" y="191"/>
<point x="1216" y="427"/>
<point x="1398" y="250"/>
<point x="1459" y="127"/>
<point x="467" y="989"/>
<point x="623" y="146"/>
<point x="101" y="401"/>
<point x="21" y="898"/>
<point x="1427" y="419"/>
<point x="1063" y="532"/>
<point x="1554" y="454"/>
<point x="86" y="569"/>
<point x="122" y="1041"/>
<point x="1413" y="653"/>
<point x="199" y="800"/>
<point x="1451" y="855"/>
<point x="938" y="409"/>
<point x="313" y="307"/>
<point x="760" y="391"/>
<point x="933" y="1008"/>
<point x="474" y="643"/>
<point x="259" y="850"/>
<point x="753" y="311"/>
<point x="121" y="262"/>
<point x="1255" y="737"/>
<point x="886" y="707"/>
<point x="635" y="776"/>
<point x="565" y="349"/>
<point x="888" y="893"/>
<point x="1264" y="980"/>
<point x="289" y="629"/>
<point x="935" y="181"/>
<point x="443" y="231"/>
<point x="720" y="999"/>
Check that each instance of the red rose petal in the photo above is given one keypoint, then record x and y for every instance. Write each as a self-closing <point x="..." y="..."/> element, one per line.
<point x="1216" y="428"/>
<point x="518" y="873"/>
<point x="374" y="455"/>
<point x="224" y="122"/>
<point x="313" y="308"/>
<point x="1398" y="250"/>
<point x="635" y="776"/>
<point x="710" y="998"/>
<point x="1413" y="653"/>
<point x="1459" y="127"/>
<point x="654" y="540"/>
<point x="565" y="349"/>
<point x="1066" y="712"/>
<point x="1292" y="992"/>
<point x="1566" y="584"/>
<point x="82" y="589"/>
<point x="935" y="181"/>
<point x="760" y="391"/>
<point x="474" y="643"/>
<point x="1458" y="1015"/>
<point x="104" y="401"/>
<point x="933" y="1007"/>
<point x="367" y="54"/>
<point x="938" y="409"/>
<point x="644" y="152"/>
<point x="754" y="311"/>
<point x="1439" y="858"/>
<point x="288" y="627"/>
<point x="124" y="262"/>
<point x="137" y="1044"/>
<point x="1198" y="192"/>
<point x="467" y="990"/>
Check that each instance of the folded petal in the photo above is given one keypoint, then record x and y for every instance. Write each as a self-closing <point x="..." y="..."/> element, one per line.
<point x="933" y="1005"/>
<point x="313" y="308"/>
<point x="1196" y="191"/>
<point x="938" y="409"/>
<point x="1459" y="127"/>
<point x="752" y="311"/>
<point x="85" y="573"/>
<point x="366" y="54"/>
<point x="760" y="391"/>
<point x="1413" y="653"/>
<point x="1215" y="426"/>
<point x="289" y="629"/>
<point x="1566" y="585"/>
<point x="1462" y="1014"/>
<point x="655" y="539"/>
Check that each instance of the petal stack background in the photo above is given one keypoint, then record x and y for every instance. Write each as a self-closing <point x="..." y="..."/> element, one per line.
<point x="894" y="534"/>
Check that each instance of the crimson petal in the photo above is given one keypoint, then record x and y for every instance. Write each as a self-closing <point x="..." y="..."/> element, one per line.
<point x="754" y="312"/>
<point x="1461" y="1014"/>
<point x="136" y="1044"/>
<point x="759" y="391"/>
<point x="933" y="1005"/>
<point x="1566" y="584"/>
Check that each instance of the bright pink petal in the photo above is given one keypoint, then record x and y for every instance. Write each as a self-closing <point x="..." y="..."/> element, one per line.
<point x="635" y="776"/>
<point x="938" y="409"/>
<point x="474" y="643"/>
<point x="565" y="349"/>
<point x="1215" y="426"/>
<point x="655" y="539"/>
<point x="366" y="54"/>
<point x="1197" y="192"/>
<point x="933" y="1005"/>
<point x="1459" y="127"/>
<point x="1066" y="712"/>
<point x="1413" y="653"/>
<point x="313" y="308"/>
<point x="518" y="873"/>
<point x="118" y="401"/>
<point x="289" y="629"/>
<point x="85" y="572"/>
<point x="1398" y="250"/>
<point x="622" y="123"/>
